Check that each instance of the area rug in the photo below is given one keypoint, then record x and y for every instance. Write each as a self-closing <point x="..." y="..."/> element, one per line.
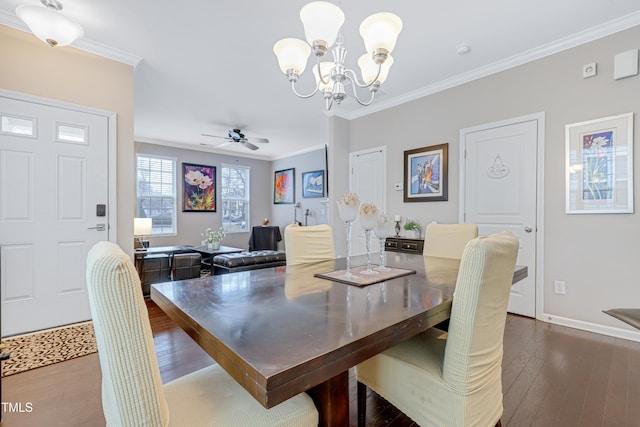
<point x="47" y="347"/>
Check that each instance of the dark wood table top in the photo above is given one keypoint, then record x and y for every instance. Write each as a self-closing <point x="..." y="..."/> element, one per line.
<point x="280" y="331"/>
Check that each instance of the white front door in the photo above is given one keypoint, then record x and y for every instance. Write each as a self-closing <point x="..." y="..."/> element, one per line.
<point x="367" y="179"/>
<point x="53" y="208"/>
<point x="499" y="175"/>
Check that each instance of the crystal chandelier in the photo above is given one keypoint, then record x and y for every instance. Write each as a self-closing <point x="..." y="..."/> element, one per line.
<point x="322" y="22"/>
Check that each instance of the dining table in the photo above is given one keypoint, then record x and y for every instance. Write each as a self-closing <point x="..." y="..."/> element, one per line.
<point x="282" y="331"/>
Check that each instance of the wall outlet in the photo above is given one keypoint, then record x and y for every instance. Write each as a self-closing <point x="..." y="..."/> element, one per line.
<point x="559" y="287"/>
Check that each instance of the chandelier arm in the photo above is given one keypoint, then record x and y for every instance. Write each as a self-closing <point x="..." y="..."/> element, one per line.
<point x="293" y="87"/>
<point x="357" y="98"/>
<point x="320" y="73"/>
<point x="354" y="78"/>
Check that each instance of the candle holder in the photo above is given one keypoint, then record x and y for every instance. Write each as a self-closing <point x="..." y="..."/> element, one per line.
<point x="397" y="228"/>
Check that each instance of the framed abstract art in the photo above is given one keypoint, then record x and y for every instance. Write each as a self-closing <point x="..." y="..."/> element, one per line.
<point x="284" y="189"/>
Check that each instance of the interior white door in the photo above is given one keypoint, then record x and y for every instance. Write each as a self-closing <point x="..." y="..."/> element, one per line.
<point x="500" y="193"/>
<point x="53" y="187"/>
<point x="367" y="179"/>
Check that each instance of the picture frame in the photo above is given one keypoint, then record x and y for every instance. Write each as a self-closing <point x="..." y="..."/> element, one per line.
<point x="313" y="184"/>
<point x="199" y="188"/>
<point x="284" y="187"/>
<point x="599" y="165"/>
<point x="426" y="176"/>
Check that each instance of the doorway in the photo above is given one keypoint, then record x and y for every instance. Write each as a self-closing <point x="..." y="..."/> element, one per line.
<point x="501" y="190"/>
<point x="56" y="201"/>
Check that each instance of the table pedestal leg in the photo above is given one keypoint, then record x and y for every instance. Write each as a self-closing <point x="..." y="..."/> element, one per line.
<point x="332" y="400"/>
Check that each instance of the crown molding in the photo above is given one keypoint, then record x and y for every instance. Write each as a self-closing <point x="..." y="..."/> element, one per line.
<point x="297" y="153"/>
<point x="577" y="39"/>
<point x="11" y="20"/>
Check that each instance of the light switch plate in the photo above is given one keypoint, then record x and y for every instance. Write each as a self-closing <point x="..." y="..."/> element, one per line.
<point x="397" y="187"/>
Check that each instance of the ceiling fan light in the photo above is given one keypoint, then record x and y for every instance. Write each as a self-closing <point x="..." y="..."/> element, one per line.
<point x="380" y="31"/>
<point x="369" y="68"/>
<point x="322" y="21"/>
<point x="49" y="25"/>
<point x="292" y="54"/>
<point x="325" y="69"/>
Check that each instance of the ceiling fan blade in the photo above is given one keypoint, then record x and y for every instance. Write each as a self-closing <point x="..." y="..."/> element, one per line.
<point x="227" y="142"/>
<point x="259" y="140"/>
<point x="215" y="136"/>
<point x="249" y="145"/>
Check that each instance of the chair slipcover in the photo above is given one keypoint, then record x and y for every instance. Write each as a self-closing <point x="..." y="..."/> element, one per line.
<point x="132" y="390"/>
<point x="448" y="240"/>
<point x="304" y="245"/>
<point x="454" y="379"/>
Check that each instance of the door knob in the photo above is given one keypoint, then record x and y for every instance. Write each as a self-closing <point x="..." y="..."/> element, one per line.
<point x="99" y="227"/>
<point x="528" y="229"/>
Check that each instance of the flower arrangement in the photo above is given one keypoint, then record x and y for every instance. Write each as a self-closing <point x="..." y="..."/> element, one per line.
<point x="412" y="225"/>
<point x="368" y="209"/>
<point x="213" y="235"/>
<point x="350" y="199"/>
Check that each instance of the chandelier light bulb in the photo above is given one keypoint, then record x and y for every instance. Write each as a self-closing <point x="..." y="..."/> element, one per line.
<point x="369" y="68"/>
<point x="292" y="55"/>
<point x="325" y="69"/>
<point x="48" y="24"/>
<point x="322" y="22"/>
<point x="380" y="31"/>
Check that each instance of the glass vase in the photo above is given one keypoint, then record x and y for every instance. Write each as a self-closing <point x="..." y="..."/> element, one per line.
<point x="383" y="230"/>
<point x="348" y="214"/>
<point x="368" y="222"/>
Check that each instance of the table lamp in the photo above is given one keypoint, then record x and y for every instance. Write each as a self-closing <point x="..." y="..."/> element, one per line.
<point x="141" y="227"/>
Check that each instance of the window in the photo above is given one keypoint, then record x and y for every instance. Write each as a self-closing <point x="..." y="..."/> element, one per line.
<point x="234" y="184"/>
<point x="156" y="192"/>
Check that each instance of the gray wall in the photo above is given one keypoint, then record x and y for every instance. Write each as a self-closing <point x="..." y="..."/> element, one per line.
<point x="191" y="224"/>
<point x="283" y="215"/>
<point x="594" y="254"/>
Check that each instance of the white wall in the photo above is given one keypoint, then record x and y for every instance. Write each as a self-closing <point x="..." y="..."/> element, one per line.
<point x="594" y="254"/>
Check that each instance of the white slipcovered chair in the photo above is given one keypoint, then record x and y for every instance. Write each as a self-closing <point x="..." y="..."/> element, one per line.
<point x="448" y="240"/>
<point x="453" y="379"/>
<point x="305" y="245"/>
<point x="132" y="390"/>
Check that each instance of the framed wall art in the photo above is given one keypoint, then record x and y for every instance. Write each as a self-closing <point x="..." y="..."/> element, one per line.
<point x="284" y="189"/>
<point x="426" y="176"/>
<point x="313" y="184"/>
<point x="199" y="188"/>
<point x="599" y="165"/>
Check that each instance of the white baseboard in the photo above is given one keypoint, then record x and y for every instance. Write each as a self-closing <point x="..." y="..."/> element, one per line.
<point x="591" y="327"/>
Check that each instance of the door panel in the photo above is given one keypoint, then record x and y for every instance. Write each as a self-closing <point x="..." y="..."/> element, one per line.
<point x="54" y="171"/>
<point x="500" y="192"/>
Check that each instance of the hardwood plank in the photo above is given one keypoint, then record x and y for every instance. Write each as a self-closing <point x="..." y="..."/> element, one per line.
<point x="555" y="376"/>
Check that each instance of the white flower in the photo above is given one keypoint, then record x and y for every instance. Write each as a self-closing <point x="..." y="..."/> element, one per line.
<point x="194" y="178"/>
<point x="350" y="199"/>
<point x="213" y="236"/>
<point x="368" y="209"/>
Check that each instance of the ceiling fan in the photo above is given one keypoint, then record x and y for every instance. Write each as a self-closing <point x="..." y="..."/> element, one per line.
<point x="235" y="135"/>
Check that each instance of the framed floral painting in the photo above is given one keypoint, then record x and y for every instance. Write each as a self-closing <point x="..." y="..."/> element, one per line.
<point x="199" y="188"/>
<point x="284" y="189"/>
<point x="599" y="165"/>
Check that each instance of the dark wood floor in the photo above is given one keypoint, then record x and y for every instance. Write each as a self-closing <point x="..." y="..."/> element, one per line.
<point x="552" y="376"/>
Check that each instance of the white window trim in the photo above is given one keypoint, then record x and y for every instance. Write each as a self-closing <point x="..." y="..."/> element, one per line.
<point x="248" y="199"/>
<point x="175" y="190"/>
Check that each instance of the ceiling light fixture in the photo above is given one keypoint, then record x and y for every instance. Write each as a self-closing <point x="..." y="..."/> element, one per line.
<point x="48" y="24"/>
<point x="322" y="22"/>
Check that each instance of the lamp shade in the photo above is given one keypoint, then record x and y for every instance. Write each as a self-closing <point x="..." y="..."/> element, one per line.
<point x="322" y="21"/>
<point x="369" y="68"/>
<point x="49" y="25"/>
<point x="292" y="54"/>
<point x="380" y="30"/>
<point x="325" y="69"/>
<point x="142" y="226"/>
